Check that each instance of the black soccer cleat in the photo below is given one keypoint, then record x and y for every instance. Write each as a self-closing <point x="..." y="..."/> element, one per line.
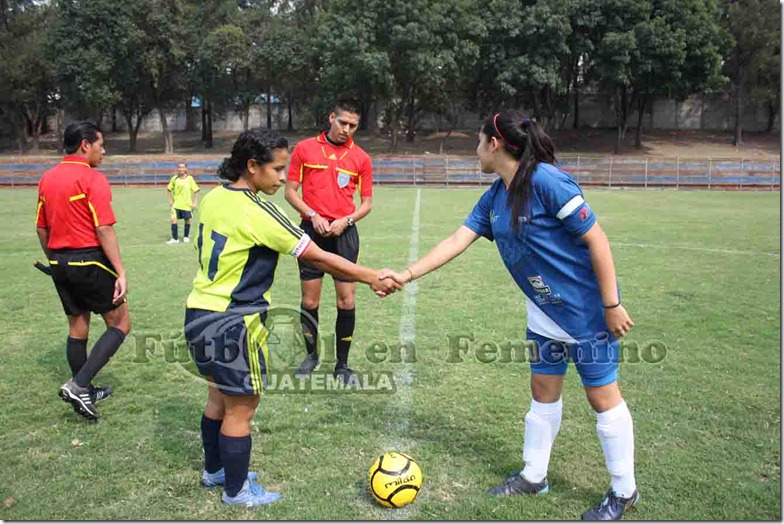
<point x="347" y="376"/>
<point x="80" y="399"/>
<point x="612" y="507"/>
<point x="517" y="484"/>
<point x="306" y="368"/>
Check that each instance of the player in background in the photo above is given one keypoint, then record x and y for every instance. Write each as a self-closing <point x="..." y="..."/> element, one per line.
<point x="330" y="168"/>
<point x="558" y="255"/>
<point x="240" y="238"/>
<point x="183" y="200"/>
<point x="75" y="225"/>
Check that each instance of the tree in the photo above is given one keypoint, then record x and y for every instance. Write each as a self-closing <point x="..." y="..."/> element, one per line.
<point x="755" y="26"/>
<point x="28" y="88"/>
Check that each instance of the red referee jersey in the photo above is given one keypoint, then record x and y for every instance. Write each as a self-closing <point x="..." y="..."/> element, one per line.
<point x="330" y="175"/>
<point x="73" y="200"/>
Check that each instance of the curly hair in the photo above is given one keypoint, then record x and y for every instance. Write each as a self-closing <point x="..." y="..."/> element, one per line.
<point x="255" y="145"/>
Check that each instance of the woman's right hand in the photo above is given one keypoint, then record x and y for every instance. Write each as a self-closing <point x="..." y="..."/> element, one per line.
<point x="383" y="285"/>
<point x="400" y="278"/>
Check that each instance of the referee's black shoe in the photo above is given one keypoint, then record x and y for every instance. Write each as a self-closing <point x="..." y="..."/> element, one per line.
<point x="347" y="376"/>
<point x="80" y="398"/>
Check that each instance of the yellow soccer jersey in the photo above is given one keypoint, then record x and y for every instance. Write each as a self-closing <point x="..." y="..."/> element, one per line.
<point x="240" y="237"/>
<point x="182" y="192"/>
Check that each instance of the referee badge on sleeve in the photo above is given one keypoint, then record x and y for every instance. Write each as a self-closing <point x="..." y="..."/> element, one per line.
<point x="343" y="179"/>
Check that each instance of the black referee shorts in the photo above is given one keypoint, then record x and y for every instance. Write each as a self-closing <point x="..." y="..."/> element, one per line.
<point x="84" y="279"/>
<point x="346" y="245"/>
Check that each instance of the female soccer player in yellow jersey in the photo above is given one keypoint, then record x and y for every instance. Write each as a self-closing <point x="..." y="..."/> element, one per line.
<point x="240" y="237"/>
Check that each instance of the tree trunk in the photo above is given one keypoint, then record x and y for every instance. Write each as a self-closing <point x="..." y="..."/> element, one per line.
<point x="576" y="89"/>
<point x="640" y="113"/>
<point x="21" y="134"/>
<point x="773" y="111"/>
<point x="60" y="129"/>
<point x="37" y="134"/>
<point x="290" y="125"/>
<point x="204" y="122"/>
<point x="168" y="139"/>
<point x="131" y="133"/>
<point x="208" y="140"/>
<point x="269" y="107"/>
<point x="246" y="117"/>
<point x="621" y="111"/>
<point x="114" y="119"/>
<point x="740" y="83"/>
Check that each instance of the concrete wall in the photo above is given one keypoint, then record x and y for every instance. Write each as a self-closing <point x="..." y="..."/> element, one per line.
<point x="711" y="112"/>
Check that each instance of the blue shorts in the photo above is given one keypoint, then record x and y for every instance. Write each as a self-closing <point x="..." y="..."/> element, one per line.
<point x="181" y="214"/>
<point x="230" y="347"/>
<point x="596" y="360"/>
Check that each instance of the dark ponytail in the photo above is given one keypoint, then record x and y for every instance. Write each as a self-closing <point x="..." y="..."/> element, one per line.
<point x="527" y="142"/>
<point x="255" y="145"/>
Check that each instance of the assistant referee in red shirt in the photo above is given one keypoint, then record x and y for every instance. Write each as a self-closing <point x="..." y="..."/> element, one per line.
<point x="331" y="168"/>
<point x="74" y="220"/>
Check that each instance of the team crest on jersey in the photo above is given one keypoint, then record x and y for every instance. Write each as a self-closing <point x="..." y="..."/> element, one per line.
<point x="343" y="180"/>
<point x="584" y="213"/>
<point x="539" y="286"/>
<point x="544" y="295"/>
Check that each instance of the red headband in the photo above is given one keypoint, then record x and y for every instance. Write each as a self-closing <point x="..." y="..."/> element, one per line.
<point x="495" y="125"/>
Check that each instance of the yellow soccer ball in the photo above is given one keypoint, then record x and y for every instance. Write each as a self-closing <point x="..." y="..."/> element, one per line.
<point x="394" y="479"/>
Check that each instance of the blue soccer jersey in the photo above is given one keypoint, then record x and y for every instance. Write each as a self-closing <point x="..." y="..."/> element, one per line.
<point x="547" y="258"/>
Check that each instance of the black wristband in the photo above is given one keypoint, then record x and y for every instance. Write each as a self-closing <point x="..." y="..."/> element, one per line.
<point x="613" y="306"/>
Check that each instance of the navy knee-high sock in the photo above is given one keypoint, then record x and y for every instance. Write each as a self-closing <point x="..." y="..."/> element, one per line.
<point x="175" y="235"/>
<point x="187" y="229"/>
<point x="235" y="454"/>
<point x="210" y="437"/>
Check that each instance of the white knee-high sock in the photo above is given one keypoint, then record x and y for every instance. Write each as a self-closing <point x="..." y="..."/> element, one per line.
<point x="541" y="427"/>
<point x="616" y="433"/>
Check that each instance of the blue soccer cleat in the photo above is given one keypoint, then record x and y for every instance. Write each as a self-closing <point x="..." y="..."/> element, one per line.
<point x="251" y="495"/>
<point x="213" y="480"/>
<point x="612" y="507"/>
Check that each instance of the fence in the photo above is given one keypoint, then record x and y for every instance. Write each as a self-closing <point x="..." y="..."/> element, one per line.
<point x="432" y="170"/>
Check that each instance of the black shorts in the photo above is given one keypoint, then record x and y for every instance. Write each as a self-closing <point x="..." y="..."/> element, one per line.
<point x="231" y="347"/>
<point x="181" y="214"/>
<point x="346" y="245"/>
<point x="84" y="279"/>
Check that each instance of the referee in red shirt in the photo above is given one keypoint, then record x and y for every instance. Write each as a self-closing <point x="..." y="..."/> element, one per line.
<point x="74" y="220"/>
<point x="330" y="168"/>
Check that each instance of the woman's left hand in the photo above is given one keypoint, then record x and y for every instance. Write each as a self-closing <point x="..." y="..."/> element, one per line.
<point x="619" y="321"/>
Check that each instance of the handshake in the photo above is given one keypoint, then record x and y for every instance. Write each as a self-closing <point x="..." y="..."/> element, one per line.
<point x="388" y="281"/>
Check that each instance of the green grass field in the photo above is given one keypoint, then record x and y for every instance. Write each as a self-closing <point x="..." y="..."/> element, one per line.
<point x="699" y="273"/>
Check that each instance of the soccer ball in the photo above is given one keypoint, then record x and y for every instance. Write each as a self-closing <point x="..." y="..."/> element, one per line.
<point x="394" y="479"/>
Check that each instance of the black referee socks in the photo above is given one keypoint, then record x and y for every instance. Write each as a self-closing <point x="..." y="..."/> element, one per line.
<point x="344" y="333"/>
<point x="76" y="353"/>
<point x="102" y="351"/>
<point x="235" y="453"/>
<point x="308" y="319"/>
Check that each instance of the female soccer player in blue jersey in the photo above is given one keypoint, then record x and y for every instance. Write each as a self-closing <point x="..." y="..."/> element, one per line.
<point x="240" y="237"/>
<point x="560" y="258"/>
